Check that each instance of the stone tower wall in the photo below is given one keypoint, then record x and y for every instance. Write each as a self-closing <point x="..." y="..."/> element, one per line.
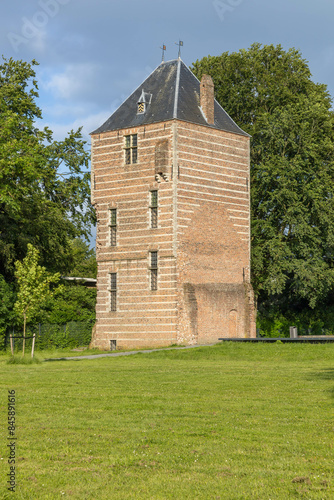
<point x="144" y="317"/>
<point x="201" y="175"/>
<point x="213" y="235"/>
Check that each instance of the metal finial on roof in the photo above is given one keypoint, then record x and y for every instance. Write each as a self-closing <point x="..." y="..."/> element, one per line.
<point x="163" y="48"/>
<point x="180" y="44"/>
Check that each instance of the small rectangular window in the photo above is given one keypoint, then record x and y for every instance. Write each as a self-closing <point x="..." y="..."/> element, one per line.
<point x="113" y="345"/>
<point x="154" y="209"/>
<point x="113" y="227"/>
<point x="131" y="154"/>
<point x="113" y="291"/>
<point x="154" y="270"/>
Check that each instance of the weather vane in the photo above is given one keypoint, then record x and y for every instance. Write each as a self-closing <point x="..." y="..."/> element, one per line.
<point x="163" y="48"/>
<point x="180" y="44"/>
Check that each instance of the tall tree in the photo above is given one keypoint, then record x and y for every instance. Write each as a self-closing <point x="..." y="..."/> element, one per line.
<point x="44" y="184"/>
<point x="269" y="93"/>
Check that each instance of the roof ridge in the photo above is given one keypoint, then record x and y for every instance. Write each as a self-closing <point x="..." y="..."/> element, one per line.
<point x="177" y="84"/>
<point x="171" y="60"/>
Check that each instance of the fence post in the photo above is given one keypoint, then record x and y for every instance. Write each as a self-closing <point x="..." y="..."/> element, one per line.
<point x="33" y="345"/>
<point x="11" y="344"/>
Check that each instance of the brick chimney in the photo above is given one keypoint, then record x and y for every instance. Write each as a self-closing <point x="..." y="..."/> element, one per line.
<point x="207" y="98"/>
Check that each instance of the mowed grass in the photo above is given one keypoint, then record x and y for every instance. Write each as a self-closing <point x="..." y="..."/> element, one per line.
<point x="233" y="421"/>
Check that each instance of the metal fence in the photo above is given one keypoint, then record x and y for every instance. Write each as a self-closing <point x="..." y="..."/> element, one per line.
<point x="48" y="336"/>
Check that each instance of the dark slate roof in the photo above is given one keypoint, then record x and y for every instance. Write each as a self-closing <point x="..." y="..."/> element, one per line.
<point x="175" y="95"/>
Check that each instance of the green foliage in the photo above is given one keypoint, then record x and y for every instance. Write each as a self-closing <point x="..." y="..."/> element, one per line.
<point x="44" y="184"/>
<point x="73" y="334"/>
<point x="57" y="336"/>
<point x="7" y="298"/>
<point x="44" y="203"/>
<point x="74" y="301"/>
<point x="83" y="260"/>
<point x="270" y="94"/>
<point x="50" y="336"/>
<point x="33" y="286"/>
<point x="273" y="322"/>
<point x="273" y="326"/>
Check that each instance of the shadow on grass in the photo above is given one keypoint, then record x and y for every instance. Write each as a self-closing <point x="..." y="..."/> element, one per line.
<point x="58" y="359"/>
<point x="19" y="360"/>
<point x="324" y="374"/>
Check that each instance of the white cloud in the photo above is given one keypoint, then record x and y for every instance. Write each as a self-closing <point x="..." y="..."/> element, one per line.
<point x="60" y="111"/>
<point x="74" y="81"/>
<point x="88" y="124"/>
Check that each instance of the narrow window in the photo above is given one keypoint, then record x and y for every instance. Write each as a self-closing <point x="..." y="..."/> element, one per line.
<point x="113" y="291"/>
<point x="130" y="148"/>
<point x="113" y="226"/>
<point x="154" y="209"/>
<point x="154" y="270"/>
<point x="134" y="148"/>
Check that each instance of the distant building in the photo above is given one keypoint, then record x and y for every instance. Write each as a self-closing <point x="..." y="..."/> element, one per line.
<point x="170" y="185"/>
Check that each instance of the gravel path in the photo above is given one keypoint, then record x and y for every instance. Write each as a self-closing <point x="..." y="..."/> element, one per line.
<point x="127" y="353"/>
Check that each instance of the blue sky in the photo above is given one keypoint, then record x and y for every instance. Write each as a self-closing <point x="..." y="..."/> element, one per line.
<point x="93" y="53"/>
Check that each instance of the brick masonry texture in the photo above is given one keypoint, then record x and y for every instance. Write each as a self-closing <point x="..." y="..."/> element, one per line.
<point x="202" y="236"/>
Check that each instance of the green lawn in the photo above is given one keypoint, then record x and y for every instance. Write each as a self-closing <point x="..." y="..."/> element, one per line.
<point x="234" y="421"/>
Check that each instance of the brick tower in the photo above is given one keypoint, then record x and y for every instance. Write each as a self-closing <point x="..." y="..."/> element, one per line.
<point x="170" y="185"/>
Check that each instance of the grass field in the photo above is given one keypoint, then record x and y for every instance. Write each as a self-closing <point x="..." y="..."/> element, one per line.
<point x="234" y="421"/>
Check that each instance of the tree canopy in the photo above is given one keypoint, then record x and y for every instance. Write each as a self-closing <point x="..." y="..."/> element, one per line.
<point x="44" y="183"/>
<point x="269" y="93"/>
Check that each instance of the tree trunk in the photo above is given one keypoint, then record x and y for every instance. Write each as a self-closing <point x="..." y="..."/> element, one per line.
<point x="24" y="333"/>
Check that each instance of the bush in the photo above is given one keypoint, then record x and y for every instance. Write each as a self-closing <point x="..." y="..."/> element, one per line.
<point x="272" y="323"/>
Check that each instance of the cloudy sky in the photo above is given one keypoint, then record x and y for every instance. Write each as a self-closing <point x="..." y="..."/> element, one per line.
<point x="94" y="53"/>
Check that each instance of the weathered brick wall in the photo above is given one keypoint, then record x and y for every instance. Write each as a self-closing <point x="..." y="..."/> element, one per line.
<point x="213" y="234"/>
<point x="202" y="239"/>
<point x="144" y="317"/>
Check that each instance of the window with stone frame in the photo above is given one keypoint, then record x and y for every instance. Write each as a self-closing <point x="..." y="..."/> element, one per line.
<point x="131" y="149"/>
